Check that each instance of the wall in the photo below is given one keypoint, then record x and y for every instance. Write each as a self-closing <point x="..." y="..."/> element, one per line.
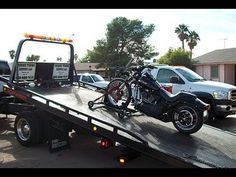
<point x="204" y="71"/>
<point x="221" y="68"/>
<point x="207" y="72"/>
<point x="226" y="73"/>
<point x="199" y="70"/>
<point x="229" y="74"/>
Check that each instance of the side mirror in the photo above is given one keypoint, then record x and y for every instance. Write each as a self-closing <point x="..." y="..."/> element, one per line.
<point x="174" y="80"/>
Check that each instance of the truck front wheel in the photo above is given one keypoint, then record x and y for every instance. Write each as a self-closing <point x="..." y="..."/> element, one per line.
<point x="28" y="129"/>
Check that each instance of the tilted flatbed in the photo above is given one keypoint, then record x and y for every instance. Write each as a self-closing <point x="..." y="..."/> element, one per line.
<point x="48" y="106"/>
<point x="209" y="147"/>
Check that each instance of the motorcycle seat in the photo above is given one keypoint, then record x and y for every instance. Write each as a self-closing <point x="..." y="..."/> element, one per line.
<point x="174" y="97"/>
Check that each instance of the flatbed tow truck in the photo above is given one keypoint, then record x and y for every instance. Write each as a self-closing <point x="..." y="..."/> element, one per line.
<point x="48" y="106"/>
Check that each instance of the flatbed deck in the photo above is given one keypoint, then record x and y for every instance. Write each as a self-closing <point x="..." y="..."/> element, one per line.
<point x="209" y="147"/>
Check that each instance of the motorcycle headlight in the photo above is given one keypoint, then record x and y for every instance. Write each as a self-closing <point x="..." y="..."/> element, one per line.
<point x="220" y="95"/>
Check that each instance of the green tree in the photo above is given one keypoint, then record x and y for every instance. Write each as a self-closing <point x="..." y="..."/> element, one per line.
<point x="33" y="58"/>
<point x="125" y="39"/>
<point x="12" y="54"/>
<point x="177" y="57"/>
<point x="192" y="41"/>
<point x="182" y="32"/>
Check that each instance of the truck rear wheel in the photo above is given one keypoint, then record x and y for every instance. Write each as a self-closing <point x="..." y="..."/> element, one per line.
<point x="28" y="129"/>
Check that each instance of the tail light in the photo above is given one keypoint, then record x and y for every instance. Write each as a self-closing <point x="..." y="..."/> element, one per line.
<point x="106" y="143"/>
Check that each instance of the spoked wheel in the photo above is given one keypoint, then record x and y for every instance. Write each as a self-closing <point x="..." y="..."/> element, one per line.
<point x="187" y="119"/>
<point x="118" y="93"/>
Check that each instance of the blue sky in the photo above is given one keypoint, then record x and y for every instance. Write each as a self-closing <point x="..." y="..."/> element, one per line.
<point x="89" y="25"/>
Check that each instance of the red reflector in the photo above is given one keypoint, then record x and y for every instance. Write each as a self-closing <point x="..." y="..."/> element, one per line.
<point x="106" y="143"/>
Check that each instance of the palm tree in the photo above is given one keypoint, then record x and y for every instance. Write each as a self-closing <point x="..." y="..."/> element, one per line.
<point x="182" y="31"/>
<point x="12" y="54"/>
<point x="192" y="40"/>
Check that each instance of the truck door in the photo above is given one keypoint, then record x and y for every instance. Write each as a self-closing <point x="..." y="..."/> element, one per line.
<point x="4" y="71"/>
<point x="164" y="77"/>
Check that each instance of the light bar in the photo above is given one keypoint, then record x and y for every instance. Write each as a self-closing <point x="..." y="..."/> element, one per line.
<point x="32" y="36"/>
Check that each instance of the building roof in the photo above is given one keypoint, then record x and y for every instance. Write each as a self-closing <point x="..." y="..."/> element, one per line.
<point x="87" y="67"/>
<point x="218" y="57"/>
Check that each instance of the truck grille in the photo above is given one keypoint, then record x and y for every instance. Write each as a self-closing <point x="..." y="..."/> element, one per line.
<point x="233" y="95"/>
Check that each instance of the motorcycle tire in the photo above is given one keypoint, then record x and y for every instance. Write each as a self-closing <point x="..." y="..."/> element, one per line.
<point x="118" y="93"/>
<point x="187" y="119"/>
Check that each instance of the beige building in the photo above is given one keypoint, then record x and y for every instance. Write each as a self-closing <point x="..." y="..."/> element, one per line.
<point x="91" y="68"/>
<point x="218" y="65"/>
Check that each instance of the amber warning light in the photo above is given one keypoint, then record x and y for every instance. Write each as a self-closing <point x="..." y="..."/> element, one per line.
<point x="32" y="36"/>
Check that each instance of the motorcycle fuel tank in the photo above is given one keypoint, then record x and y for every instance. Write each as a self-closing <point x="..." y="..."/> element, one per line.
<point x="148" y="82"/>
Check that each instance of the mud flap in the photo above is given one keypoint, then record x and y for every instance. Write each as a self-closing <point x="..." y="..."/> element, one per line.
<point x="58" y="138"/>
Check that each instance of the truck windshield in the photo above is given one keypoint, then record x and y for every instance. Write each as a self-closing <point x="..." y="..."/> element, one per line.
<point x="190" y="75"/>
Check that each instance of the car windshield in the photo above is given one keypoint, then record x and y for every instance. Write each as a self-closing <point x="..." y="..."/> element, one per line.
<point x="97" y="78"/>
<point x="190" y="75"/>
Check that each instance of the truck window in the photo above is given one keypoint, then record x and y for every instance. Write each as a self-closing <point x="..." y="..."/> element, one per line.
<point x="35" y="51"/>
<point x="4" y="68"/>
<point x="190" y="75"/>
<point x="164" y="75"/>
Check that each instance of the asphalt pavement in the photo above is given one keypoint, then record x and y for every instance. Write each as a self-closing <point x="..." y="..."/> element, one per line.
<point x="226" y="124"/>
<point x="85" y="152"/>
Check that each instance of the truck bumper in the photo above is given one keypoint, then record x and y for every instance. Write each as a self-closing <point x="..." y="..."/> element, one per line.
<point x="225" y="107"/>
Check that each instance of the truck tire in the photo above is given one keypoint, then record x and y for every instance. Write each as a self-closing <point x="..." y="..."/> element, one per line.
<point x="28" y="129"/>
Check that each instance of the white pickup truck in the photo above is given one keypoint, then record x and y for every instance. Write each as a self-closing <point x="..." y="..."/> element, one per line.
<point x="221" y="96"/>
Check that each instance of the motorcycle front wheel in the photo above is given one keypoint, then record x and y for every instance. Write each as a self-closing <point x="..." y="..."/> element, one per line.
<point x="187" y="119"/>
<point x="118" y="93"/>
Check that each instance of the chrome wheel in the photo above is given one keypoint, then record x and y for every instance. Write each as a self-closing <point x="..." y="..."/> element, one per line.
<point x="23" y="129"/>
<point x="187" y="119"/>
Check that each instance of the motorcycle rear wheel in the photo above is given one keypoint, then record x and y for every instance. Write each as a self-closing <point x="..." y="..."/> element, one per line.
<point x="118" y="93"/>
<point x="187" y="119"/>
